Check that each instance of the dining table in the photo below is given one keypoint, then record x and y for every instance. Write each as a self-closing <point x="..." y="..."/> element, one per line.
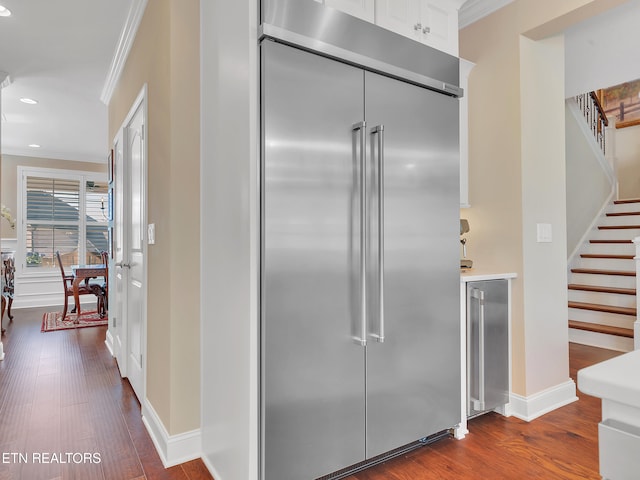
<point x="84" y="273"/>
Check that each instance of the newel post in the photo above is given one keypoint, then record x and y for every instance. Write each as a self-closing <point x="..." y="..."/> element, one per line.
<point x="636" y="325"/>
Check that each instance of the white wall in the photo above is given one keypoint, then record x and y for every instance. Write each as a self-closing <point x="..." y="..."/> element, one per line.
<point x="229" y="273"/>
<point x="588" y="185"/>
<point x="604" y="50"/>
<point x="627" y="151"/>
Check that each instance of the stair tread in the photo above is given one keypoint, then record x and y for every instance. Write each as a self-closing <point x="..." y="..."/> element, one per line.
<point x="596" y="307"/>
<point x="628" y="200"/>
<point x="625" y="273"/>
<point x="606" y="255"/>
<point x="609" y="330"/>
<point x="611" y="241"/>
<point x="618" y="227"/>
<point x="622" y="214"/>
<point x="598" y="288"/>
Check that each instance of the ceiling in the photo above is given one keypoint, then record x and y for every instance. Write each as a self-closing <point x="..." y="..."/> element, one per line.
<point x="59" y="53"/>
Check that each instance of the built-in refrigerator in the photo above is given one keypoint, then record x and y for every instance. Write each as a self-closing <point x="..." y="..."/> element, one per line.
<point x="360" y="327"/>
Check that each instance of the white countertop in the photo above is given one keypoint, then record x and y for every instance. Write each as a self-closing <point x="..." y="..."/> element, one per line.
<point x="616" y="379"/>
<point x="475" y="275"/>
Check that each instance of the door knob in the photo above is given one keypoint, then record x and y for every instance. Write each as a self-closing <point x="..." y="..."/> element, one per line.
<point x="426" y="30"/>
<point x="417" y="27"/>
<point x="123" y="265"/>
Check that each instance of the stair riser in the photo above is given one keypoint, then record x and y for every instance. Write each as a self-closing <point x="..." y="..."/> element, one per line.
<point x="610" y="342"/>
<point x="620" y="220"/>
<point x="606" y="263"/>
<point x="611" y="248"/>
<point x="601" y="318"/>
<point x="603" y="280"/>
<point x="600" y="298"/>
<point x="617" y="234"/>
<point x="624" y="207"/>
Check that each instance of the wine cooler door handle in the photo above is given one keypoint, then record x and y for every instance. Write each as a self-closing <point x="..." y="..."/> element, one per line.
<point x="479" y="403"/>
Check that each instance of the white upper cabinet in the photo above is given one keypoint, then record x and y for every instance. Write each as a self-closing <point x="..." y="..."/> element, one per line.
<point x="433" y="22"/>
<point x="400" y="16"/>
<point x="364" y="9"/>
<point x="440" y="25"/>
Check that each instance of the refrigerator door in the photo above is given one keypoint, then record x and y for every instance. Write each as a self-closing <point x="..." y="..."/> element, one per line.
<point x="413" y="377"/>
<point x="313" y="408"/>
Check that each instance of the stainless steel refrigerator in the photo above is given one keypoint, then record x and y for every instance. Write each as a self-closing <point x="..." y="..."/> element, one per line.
<point x="360" y="310"/>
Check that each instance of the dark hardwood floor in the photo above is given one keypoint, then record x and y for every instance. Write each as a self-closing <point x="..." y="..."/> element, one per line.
<point x="60" y="392"/>
<point x="65" y="413"/>
<point x="562" y="444"/>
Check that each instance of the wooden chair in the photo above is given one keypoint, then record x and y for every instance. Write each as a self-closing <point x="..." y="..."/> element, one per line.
<point x="103" y="295"/>
<point x="8" y="271"/>
<point x="67" y="282"/>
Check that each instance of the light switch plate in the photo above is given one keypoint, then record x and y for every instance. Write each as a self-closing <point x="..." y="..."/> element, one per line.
<point x="544" y="233"/>
<point x="151" y="234"/>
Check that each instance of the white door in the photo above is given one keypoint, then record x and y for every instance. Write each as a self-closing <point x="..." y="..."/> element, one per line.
<point x="135" y="160"/>
<point x="127" y="302"/>
<point x="117" y="293"/>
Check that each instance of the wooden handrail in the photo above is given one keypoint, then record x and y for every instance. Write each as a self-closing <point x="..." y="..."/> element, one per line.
<point x="603" y="115"/>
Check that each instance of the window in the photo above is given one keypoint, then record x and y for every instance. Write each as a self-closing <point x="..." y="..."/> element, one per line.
<point x="63" y="211"/>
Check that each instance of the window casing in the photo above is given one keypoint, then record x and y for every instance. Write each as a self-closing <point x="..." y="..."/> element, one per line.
<point x="61" y="210"/>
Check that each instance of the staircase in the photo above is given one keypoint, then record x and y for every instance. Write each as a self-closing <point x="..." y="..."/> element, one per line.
<point x="602" y="285"/>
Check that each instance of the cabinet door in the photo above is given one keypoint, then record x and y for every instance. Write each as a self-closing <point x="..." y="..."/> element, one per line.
<point x="363" y="9"/>
<point x="439" y="25"/>
<point x="400" y="16"/>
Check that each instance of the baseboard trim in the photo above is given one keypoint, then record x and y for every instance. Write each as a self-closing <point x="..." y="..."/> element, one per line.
<point x="212" y="470"/>
<point x="108" y="341"/>
<point x="173" y="449"/>
<point x="533" y="406"/>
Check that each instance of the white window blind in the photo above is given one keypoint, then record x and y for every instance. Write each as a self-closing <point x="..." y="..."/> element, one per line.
<point x="68" y="215"/>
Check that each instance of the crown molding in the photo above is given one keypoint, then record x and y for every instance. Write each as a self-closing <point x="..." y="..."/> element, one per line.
<point x="5" y="80"/>
<point x="127" y="36"/>
<point x="474" y="10"/>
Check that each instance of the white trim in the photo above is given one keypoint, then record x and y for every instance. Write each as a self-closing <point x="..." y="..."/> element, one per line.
<point x="474" y="10"/>
<point x="5" y="80"/>
<point x="534" y="406"/>
<point x="9" y="244"/>
<point x="212" y="470"/>
<point x="127" y="37"/>
<point x="108" y="341"/>
<point x="173" y="449"/>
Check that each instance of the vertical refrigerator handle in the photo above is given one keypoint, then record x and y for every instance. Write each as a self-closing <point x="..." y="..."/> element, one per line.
<point x="360" y="128"/>
<point x="379" y="131"/>
<point x="479" y="403"/>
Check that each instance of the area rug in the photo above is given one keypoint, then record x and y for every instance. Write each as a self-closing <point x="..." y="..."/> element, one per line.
<point x="52" y="321"/>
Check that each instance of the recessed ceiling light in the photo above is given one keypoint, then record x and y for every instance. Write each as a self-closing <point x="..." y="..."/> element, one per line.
<point x="4" y="11"/>
<point x="29" y="101"/>
<point x="34" y="145"/>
